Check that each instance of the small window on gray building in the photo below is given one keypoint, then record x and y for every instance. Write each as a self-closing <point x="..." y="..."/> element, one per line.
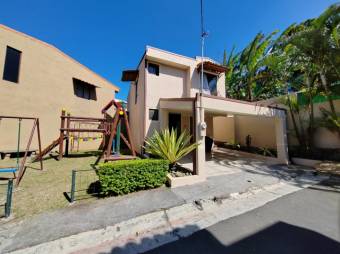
<point x="12" y="65"/>
<point x="153" y="69"/>
<point x="84" y="90"/>
<point x="153" y="114"/>
<point x="136" y="91"/>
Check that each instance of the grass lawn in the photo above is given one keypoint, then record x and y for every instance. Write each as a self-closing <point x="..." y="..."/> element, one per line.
<point x="41" y="191"/>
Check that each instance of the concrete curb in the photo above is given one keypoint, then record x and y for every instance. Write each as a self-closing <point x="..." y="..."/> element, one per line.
<point x="157" y="228"/>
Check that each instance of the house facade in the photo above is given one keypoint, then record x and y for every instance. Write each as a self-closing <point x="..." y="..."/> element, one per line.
<point x="39" y="80"/>
<point x="165" y="92"/>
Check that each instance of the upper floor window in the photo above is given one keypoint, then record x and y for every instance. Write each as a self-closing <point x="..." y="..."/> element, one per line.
<point x="12" y="65"/>
<point x="84" y="90"/>
<point x="153" y="69"/>
<point x="210" y="84"/>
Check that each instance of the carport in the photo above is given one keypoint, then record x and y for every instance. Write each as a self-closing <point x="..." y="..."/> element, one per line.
<point x="196" y="114"/>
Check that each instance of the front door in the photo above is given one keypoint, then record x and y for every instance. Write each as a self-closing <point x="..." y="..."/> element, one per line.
<point x="175" y="122"/>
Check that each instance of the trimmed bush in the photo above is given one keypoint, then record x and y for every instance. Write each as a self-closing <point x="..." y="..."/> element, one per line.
<point x="122" y="177"/>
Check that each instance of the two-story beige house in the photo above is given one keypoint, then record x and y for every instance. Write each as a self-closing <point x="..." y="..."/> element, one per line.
<point x="165" y="92"/>
<point x="39" y="80"/>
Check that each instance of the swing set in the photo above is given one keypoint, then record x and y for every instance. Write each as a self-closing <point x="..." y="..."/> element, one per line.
<point x="108" y="129"/>
<point x="20" y="167"/>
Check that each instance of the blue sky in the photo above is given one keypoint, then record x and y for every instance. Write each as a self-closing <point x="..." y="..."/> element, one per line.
<point x="109" y="36"/>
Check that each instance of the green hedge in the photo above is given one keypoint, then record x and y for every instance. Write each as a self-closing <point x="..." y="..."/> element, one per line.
<point x="122" y="177"/>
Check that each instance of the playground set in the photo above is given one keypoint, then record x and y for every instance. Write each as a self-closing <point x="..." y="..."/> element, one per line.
<point x="74" y="129"/>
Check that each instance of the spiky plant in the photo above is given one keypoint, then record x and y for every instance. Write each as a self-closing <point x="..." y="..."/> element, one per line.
<point x="168" y="145"/>
<point x="330" y="121"/>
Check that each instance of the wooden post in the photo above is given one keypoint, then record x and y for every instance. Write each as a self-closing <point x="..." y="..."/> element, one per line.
<point x="68" y="123"/>
<point x="129" y="133"/>
<point x="39" y="143"/>
<point x="61" y="137"/>
<point x="117" y="143"/>
<point x="22" y="165"/>
<point x="112" y="134"/>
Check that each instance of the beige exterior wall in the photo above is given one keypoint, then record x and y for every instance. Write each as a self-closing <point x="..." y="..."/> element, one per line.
<point x="261" y="130"/>
<point x="224" y="129"/>
<point x="178" y="78"/>
<point x="136" y="108"/>
<point x="323" y="137"/>
<point x="235" y="128"/>
<point x="171" y="83"/>
<point x="45" y="88"/>
<point x="230" y="120"/>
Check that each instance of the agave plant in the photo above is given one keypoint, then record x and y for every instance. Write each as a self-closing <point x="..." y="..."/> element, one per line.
<point x="169" y="146"/>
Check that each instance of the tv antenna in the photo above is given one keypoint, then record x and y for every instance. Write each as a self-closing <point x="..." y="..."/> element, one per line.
<point x="203" y="35"/>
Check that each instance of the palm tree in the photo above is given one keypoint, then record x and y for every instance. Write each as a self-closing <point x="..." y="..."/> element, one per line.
<point x="169" y="146"/>
<point x="319" y="41"/>
<point x="232" y="74"/>
<point x="251" y="61"/>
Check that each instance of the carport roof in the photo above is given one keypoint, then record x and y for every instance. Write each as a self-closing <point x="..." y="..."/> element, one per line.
<point x="222" y="105"/>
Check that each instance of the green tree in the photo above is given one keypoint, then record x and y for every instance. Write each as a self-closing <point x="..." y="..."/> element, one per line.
<point x="251" y="62"/>
<point x="319" y="42"/>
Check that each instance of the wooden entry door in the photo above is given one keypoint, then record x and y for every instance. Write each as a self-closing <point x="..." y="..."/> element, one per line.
<point x="175" y="122"/>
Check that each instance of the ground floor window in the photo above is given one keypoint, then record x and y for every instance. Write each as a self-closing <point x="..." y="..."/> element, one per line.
<point x="153" y="114"/>
<point x="175" y="122"/>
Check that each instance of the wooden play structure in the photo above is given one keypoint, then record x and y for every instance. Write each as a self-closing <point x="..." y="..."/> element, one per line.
<point x="106" y="128"/>
<point x="19" y="169"/>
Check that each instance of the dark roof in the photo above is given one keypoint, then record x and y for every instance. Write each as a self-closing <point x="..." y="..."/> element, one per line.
<point x="130" y="75"/>
<point x="211" y="67"/>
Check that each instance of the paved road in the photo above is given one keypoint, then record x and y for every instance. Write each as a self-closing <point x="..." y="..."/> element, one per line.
<point x="307" y="221"/>
<point x="80" y="218"/>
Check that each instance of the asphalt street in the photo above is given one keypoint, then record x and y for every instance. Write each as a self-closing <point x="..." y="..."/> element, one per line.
<point x="307" y="221"/>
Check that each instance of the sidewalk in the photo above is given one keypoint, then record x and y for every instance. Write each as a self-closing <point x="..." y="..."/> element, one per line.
<point x="110" y="211"/>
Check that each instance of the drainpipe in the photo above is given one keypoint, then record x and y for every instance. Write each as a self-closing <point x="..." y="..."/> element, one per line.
<point x="145" y="107"/>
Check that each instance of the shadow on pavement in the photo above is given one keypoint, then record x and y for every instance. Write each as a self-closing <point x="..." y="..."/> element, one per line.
<point x="279" y="238"/>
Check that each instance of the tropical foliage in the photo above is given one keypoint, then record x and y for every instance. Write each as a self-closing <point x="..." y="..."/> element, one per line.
<point x="169" y="146"/>
<point x="304" y="58"/>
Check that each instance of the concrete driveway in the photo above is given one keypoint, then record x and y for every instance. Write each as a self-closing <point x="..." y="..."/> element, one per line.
<point x="229" y="171"/>
<point x="223" y="161"/>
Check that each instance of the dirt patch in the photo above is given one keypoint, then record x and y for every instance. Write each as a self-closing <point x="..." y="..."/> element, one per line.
<point x="332" y="168"/>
